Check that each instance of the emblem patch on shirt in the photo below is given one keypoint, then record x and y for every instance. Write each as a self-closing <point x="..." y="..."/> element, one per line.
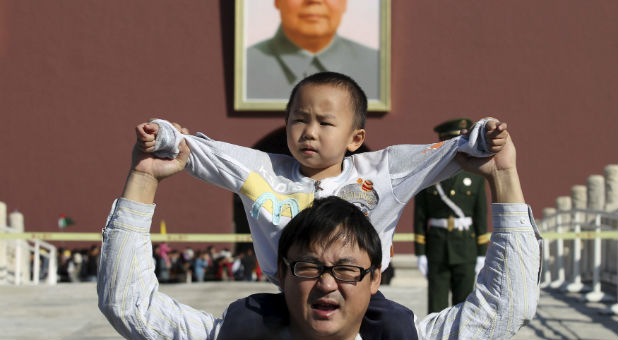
<point x="434" y="146"/>
<point x="362" y="194"/>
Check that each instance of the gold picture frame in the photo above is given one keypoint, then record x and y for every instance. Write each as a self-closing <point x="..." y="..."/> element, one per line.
<point x="265" y="84"/>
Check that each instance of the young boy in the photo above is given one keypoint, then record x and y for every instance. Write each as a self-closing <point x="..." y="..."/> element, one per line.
<point x="325" y="118"/>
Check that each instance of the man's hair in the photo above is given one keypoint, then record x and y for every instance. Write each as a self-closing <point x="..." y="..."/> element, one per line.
<point x="357" y="95"/>
<point x="328" y="220"/>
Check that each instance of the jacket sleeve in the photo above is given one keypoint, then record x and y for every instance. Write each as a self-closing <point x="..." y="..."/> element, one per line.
<point x="506" y="292"/>
<point x="128" y="288"/>
<point x="219" y="163"/>
<point x="415" y="167"/>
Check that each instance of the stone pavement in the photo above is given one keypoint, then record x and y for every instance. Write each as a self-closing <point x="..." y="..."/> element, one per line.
<point x="69" y="311"/>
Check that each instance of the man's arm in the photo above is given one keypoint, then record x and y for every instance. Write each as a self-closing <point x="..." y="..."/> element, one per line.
<point x="127" y="287"/>
<point x="506" y="291"/>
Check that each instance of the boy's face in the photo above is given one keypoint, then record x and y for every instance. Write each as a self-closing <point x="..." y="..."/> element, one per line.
<point x="325" y="308"/>
<point x="320" y="129"/>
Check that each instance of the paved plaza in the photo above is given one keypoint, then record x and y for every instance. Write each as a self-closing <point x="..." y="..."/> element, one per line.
<point x="69" y="311"/>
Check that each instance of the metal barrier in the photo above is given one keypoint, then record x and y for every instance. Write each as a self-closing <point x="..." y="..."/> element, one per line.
<point x="581" y="240"/>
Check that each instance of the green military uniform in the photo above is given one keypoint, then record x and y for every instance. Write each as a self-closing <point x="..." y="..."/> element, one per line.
<point x="451" y="242"/>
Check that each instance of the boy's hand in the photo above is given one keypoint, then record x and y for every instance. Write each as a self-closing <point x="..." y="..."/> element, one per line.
<point x="146" y="169"/>
<point x="500" y="170"/>
<point x="147" y="135"/>
<point x="503" y="160"/>
<point x="146" y="163"/>
<point x="159" y="168"/>
<point x="496" y="135"/>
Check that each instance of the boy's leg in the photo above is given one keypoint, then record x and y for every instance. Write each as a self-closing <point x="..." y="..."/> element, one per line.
<point x="438" y="280"/>
<point x="386" y="319"/>
<point x="462" y="281"/>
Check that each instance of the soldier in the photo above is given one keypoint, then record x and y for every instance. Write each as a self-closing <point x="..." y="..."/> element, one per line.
<point x="450" y="226"/>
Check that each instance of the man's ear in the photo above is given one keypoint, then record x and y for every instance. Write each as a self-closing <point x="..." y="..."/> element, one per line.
<point x="376" y="280"/>
<point x="358" y="138"/>
<point x="280" y="275"/>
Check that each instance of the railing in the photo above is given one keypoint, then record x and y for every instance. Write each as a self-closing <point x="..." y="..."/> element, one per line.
<point x="18" y="254"/>
<point x="581" y="240"/>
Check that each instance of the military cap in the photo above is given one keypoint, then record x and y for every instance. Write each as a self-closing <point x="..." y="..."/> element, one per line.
<point x="452" y="127"/>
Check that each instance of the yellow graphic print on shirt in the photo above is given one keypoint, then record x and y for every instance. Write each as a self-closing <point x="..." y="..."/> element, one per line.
<point x="263" y="195"/>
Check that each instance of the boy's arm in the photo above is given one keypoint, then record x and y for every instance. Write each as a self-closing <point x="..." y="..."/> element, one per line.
<point x="127" y="287"/>
<point x="415" y="167"/>
<point x="506" y="292"/>
<point x="222" y="164"/>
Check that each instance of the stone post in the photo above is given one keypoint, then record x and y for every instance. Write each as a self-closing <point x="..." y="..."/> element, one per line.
<point x="22" y="258"/>
<point x="578" y="201"/>
<point x="563" y="206"/>
<point x="596" y="201"/>
<point x="3" y="245"/>
<point x="611" y="187"/>
<point x="611" y="204"/>
<point x="547" y="224"/>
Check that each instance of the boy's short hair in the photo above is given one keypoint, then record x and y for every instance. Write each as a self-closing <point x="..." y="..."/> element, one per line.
<point x="357" y="95"/>
<point x="328" y="220"/>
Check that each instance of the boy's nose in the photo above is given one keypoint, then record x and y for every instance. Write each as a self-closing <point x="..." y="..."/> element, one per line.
<point x="309" y="132"/>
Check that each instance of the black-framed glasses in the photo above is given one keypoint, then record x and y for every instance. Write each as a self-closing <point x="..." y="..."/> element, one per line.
<point x="341" y="272"/>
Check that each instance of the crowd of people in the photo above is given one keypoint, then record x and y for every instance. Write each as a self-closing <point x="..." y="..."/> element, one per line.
<point x="171" y="265"/>
<point x="188" y="265"/>
<point x="77" y="265"/>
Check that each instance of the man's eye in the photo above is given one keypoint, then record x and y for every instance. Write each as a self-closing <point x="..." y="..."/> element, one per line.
<point x="326" y="124"/>
<point x="345" y="269"/>
<point x="306" y="266"/>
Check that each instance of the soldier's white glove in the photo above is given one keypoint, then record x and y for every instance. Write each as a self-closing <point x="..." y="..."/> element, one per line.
<point x="422" y="264"/>
<point x="480" y="262"/>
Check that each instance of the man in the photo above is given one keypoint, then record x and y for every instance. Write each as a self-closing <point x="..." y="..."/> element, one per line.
<point x="450" y="226"/>
<point x="329" y="266"/>
<point x="306" y="43"/>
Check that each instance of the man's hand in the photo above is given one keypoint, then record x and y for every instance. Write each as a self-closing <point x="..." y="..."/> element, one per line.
<point x="147" y="170"/>
<point x="145" y="163"/>
<point x="499" y="141"/>
<point x="500" y="170"/>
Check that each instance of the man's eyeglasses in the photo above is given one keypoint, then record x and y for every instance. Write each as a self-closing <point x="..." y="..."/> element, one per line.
<point x="311" y="270"/>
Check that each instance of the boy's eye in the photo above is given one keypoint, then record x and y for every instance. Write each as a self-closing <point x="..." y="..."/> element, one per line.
<point x="326" y="123"/>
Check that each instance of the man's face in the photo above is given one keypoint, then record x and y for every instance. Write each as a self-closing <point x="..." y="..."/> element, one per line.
<point x="325" y="308"/>
<point x="320" y="129"/>
<point x="311" y="18"/>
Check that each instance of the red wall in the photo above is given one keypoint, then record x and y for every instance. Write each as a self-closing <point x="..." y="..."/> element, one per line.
<point x="76" y="76"/>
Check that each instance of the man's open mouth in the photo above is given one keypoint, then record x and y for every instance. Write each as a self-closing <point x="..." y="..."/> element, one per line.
<point x="325" y="306"/>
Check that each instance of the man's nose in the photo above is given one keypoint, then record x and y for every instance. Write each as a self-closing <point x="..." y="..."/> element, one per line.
<point x="327" y="281"/>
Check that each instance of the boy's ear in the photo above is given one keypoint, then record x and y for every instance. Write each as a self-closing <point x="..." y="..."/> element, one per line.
<point x="358" y="138"/>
